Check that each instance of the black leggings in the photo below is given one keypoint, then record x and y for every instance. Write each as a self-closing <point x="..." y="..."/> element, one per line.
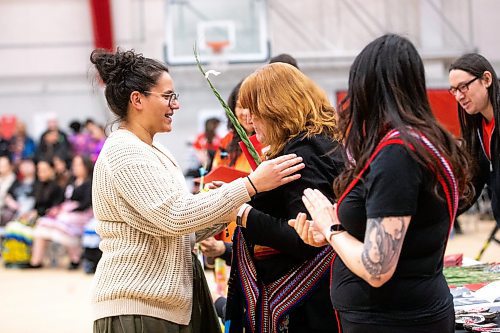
<point x="445" y="325"/>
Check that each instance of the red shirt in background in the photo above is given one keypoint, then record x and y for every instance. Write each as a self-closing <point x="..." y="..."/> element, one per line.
<point x="202" y="143"/>
<point x="487" y="133"/>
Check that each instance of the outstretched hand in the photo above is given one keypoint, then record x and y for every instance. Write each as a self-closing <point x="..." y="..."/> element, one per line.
<point x="213" y="185"/>
<point x="306" y="231"/>
<point x="276" y="172"/>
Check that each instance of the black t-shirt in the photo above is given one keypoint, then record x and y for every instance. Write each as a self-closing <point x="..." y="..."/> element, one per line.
<point x="396" y="185"/>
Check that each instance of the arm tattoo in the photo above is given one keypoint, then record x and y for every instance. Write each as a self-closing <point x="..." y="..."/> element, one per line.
<point x="382" y="245"/>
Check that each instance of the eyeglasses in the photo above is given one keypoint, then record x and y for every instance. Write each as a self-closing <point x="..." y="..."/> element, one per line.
<point x="170" y="97"/>
<point x="463" y="88"/>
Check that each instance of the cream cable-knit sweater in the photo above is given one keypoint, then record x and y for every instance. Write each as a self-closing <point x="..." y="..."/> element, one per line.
<point x="147" y="219"/>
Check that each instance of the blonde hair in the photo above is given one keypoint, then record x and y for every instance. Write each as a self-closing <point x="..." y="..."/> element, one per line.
<point x="289" y="103"/>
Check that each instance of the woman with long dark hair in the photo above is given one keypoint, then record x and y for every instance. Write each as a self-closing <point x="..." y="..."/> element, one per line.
<point x="475" y="86"/>
<point x="398" y="199"/>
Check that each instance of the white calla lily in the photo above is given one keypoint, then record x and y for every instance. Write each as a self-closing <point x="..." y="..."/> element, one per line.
<point x="211" y="72"/>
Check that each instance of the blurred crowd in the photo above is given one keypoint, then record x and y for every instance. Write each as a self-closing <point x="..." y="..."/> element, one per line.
<point x="45" y="193"/>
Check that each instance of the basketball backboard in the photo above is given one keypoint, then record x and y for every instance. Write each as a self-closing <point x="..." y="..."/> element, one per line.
<point x="234" y="31"/>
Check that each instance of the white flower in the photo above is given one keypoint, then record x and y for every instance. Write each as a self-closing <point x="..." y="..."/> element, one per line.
<point x="213" y="72"/>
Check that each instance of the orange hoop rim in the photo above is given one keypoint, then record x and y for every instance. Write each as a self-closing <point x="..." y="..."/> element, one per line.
<point x="217" y="46"/>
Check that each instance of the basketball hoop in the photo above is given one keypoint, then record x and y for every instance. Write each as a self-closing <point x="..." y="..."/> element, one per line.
<point x="217" y="46"/>
<point x="218" y="60"/>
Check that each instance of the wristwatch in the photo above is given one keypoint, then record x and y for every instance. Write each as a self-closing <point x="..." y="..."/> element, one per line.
<point x="337" y="227"/>
<point x="239" y="216"/>
<point x="334" y="230"/>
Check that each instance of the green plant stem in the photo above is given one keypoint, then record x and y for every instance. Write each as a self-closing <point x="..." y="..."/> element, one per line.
<point x="239" y="129"/>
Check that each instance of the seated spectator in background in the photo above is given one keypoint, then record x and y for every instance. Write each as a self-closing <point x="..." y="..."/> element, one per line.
<point x="53" y="125"/>
<point x="88" y="122"/>
<point x="285" y="58"/>
<point x="47" y="193"/>
<point x="7" y="178"/>
<point x="16" y="251"/>
<point x="87" y="141"/>
<point x="4" y="146"/>
<point x="63" y="174"/>
<point x="78" y="139"/>
<point x="22" y="146"/>
<point x="97" y="139"/>
<point x="7" y="128"/>
<point x="20" y="198"/>
<point x="53" y="142"/>
<point x="64" y="223"/>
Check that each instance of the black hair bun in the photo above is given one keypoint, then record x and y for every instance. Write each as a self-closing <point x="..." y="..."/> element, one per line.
<point x="112" y="67"/>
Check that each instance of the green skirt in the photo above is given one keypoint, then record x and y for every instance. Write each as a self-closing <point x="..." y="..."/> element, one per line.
<point x="203" y="318"/>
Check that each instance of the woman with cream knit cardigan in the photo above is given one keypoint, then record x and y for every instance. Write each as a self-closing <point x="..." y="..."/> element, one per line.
<point x="147" y="280"/>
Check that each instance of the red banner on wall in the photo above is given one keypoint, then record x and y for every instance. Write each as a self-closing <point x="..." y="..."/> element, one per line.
<point x="443" y="106"/>
<point x="102" y="24"/>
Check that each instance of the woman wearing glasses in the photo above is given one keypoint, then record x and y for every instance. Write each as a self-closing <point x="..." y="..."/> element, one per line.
<point x="147" y="279"/>
<point x="474" y="84"/>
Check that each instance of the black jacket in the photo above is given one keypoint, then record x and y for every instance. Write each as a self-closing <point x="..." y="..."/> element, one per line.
<point x="488" y="172"/>
<point x="267" y="225"/>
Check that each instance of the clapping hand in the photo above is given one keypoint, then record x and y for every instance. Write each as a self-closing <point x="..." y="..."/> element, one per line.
<point x="307" y="232"/>
<point x="322" y="211"/>
<point x="323" y="215"/>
